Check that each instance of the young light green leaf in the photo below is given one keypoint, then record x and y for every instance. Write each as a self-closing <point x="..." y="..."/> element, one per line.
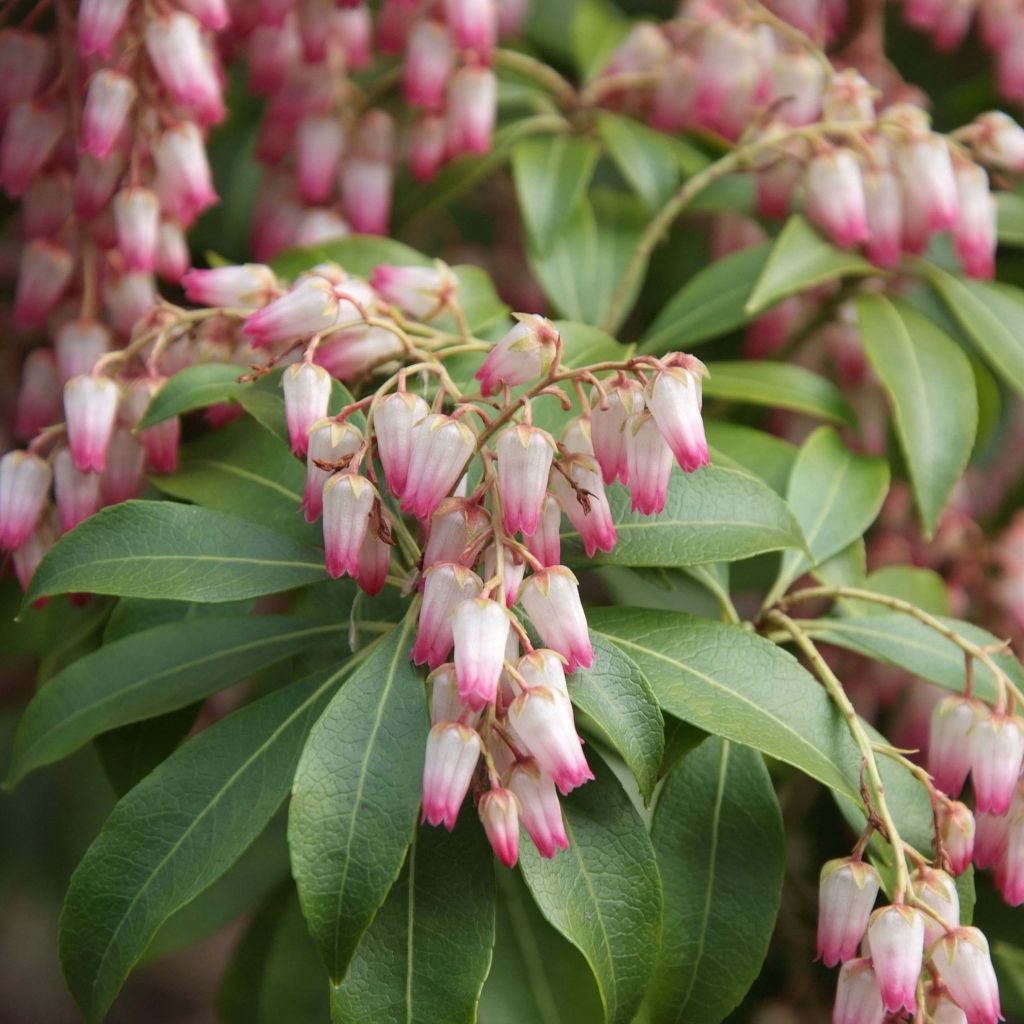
<point x="551" y="175"/>
<point x="355" y="798"/>
<point x="647" y="159"/>
<point x="835" y="495"/>
<point x="922" y="587"/>
<point x="800" y="259"/>
<point x="991" y="314"/>
<point x="165" y="550"/>
<point x="195" y="387"/>
<point x="931" y="388"/>
<point x="535" y="974"/>
<point x="778" y="386"/>
<point x="401" y="971"/>
<point x="722" y="854"/>
<point x="712" y="515"/>
<point x="709" y="304"/>
<point x="245" y="471"/>
<point x="755" y="452"/>
<point x="603" y="894"/>
<point x="176" y="832"/>
<point x="147" y="674"/>
<point x="616" y="696"/>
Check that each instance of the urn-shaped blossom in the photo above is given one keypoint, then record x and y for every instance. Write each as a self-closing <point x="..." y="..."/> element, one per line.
<point x="896" y="937"/>
<point x="452" y="754"/>
<point x="846" y="894"/>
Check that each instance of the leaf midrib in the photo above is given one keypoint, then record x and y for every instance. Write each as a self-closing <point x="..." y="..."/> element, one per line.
<point x="244" y="474"/>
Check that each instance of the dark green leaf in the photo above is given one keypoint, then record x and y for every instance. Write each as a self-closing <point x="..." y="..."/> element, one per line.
<point x="426" y="955"/>
<point x="195" y="387"/>
<point x="176" y="832"/>
<point x="722" y="855"/>
<point x="164" y="550"/>
<point x="801" y="259"/>
<point x="931" y="388"/>
<point x="147" y="674"/>
<point x="1010" y="207"/>
<point x="710" y="516"/>
<point x="130" y="753"/>
<point x="603" y="894"/>
<point x="616" y="696"/>
<point x="779" y="386"/>
<point x="355" y="798"/>
<point x="709" y="304"/>
<point x="596" y="29"/>
<point x="645" y="158"/>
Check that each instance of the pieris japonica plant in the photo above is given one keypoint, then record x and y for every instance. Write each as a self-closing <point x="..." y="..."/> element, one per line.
<point x="509" y="510"/>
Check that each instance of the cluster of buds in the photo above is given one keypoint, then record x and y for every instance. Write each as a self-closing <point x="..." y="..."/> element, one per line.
<point x="332" y="157"/>
<point x="906" y="957"/>
<point x="969" y="739"/>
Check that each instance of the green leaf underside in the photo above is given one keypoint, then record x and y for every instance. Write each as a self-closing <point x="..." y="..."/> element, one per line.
<point x="800" y="259"/>
<point x="835" y="495"/>
<point x="992" y="315"/>
<point x="355" y="798"/>
<point x="551" y="174"/>
<point x="536" y="975"/>
<point x="603" y="893"/>
<point x="712" y="515"/>
<point x="711" y="303"/>
<point x="930" y="385"/>
<point x="427" y="953"/>
<point x="176" y="832"/>
<point x="194" y="387"/>
<point x="778" y="386"/>
<point x="160" y="549"/>
<point x="721" y="850"/>
<point x="148" y="674"/>
<point x="615" y="695"/>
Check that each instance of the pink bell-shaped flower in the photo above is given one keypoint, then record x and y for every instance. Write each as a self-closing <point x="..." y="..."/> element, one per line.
<point x="543" y="719"/>
<point x="248" y="286"/>
<point x="929" y="184"/>
<point x="524" y="461"/>
<point x="137" y="218"/>
<point x="963" y="961"/>
<point x="579" y="488"/>
<point x="674" y="399"/>
<point x="996" y="757"/>
<point x="445" y="703"/>
<point x="108" y="101"/>
<point x="347" y="502"/>
<point x="999" y="140"/>
<point x="175" y="46"/>
<point x="124" y="473"/>
<point x="951" y="740"/>
<point x="425" y="145"/>
<point x="43" y="274"/>
<point x="29" y="138"/>
<point x="90" y="409"/>
<point x="99" y="24"/>
<point x="24" y="486"/>
<point x="184" y="181"/>
<point x="846" y="894"/>
<point x="896" y="937"/>
<point x="393" y="420"/>
<point x="474" y="23"/>
<point x="472" y="105"/>
<point x="452" y="754"/>
<point x="546" y="544"/>
<point x="523" y="355"/>
<point x="441" y="448"/>
<point x="552" y="600"/>
<point x="649" y="464"/>
<point x="992" y="834"/>
<point x="479" y="629"/>
<point x="937" y="890"/>
<point x="319" y="145"/>
<point x="499" y="812"/>
<point x="445" y="587"/>
<point x="884" y="206"/>
<point x="77" y="494"/>
<point x="456" y="532"/>
<point x="40" y="394"/>
<point x="956" y="830"/>
<point x="172" y="255"/>
<point x="374" y="562"/>
<point x="329" y="441"/>
<point x="834" y="197"/>
<point x="367" y="176"/>
<point x="422" y="292"/>
<point x="514" y="571"/>
<point x="608" y="428"/>
<point x="307" y="393"/>
<point x="858" y="997"/>
<point x="429" y="62"/>
<point x="311" y="306"/>
<point x="975" y="231"/>
<point x="1009" y="869"/>
<point x="539" y="807"/>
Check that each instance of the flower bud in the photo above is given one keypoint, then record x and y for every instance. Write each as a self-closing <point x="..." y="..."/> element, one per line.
<point x="43" y="275"/>
<point x="374" y="562"/>
<point x="183" y="181"/>
<point x="319" y="145"/>
<point x="307" y="393"/>
<point x="24" y="486"/>
<point x="834" y="197"/>
<point x="183" y="65"/>
<point x="552" y="600"/>
<point x="99" y="24"/>
<point x="309" y="307"/>
<point x="366" y="177"/>
<point x="248" y="286"/>
<point x="996" y="756"/>
<point x="858" y="998"/>
<point x="429" y="61"/>
<point x="499" y="812"/>
<point x="937" y="890"/>
<point x="956" y="832"/>
<point x="469" y="117"/>
<point x="965" y="966"/>
<point x="479" y="629"/>
<point x="137" y="217"/>
<point x="950" y="743"/>
<point x="649" y="464"/>
<point x="441" y="447"/>
<point x="539" y="807"/>
<point x="172" y="255"/>
<point x="523" y="355"/>
<point x="108" y="101"/>
<point x="999" y="140"/>
<point x="846" y="895"/>
<point x="393" y="420"/>
<point x="347" y="502"/>
<point x="608" y="428"/>
<point x="422" y="292"/>
<point x="975" y="231"/>
<point x="90" y="408"/>
<point x="524" y="461"/>
<point x="29" y="137"/>
<point x="77" y="494"/>
<point x="546" y="544"/>
<point x="848" y="97"/>
<point x="445" y="587"/>
<point x="452" y="754"/>
<point x="896" y="936"/>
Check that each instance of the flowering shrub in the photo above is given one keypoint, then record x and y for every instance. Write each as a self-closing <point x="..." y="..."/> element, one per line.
<point x="506" y="572"/>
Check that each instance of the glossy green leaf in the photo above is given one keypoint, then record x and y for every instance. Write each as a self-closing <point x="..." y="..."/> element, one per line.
<point x="581" y="270"/>
<point x="1010" y="209"/>
<point x="801" y="258"/>
<point x="147" y="674"/>
<point x="245" y="471"/>
<point x="712" y="515"/>
<point x="931" y="388"/>
<point x="358" y="254"/>
<point x="991" y="314"/>
<point x="551" y="175"/>
<point x="722" y="854"/>
<point x="835" y="495"/>
<point x="129" y="753"/>
<point x="176" y="832"/>
<point x="753" y="451"/>
<point x="615" y="695"/>
<point x="164" y="550"/>
<point x="596" y="29"/>
<point x="402" y="969"/>
<point x="645" y="158"/>
<point x="902" y="641"/>
<point x="778" y="386"/>
<point x="709" y="304"/>
<point x="195" y="387"/>
<point x="355" y="798"/>
<point x="603" y="893"/>
<point x="922" y="587"/>
<point x="535" y="974"/>
<point x="846" y="568"/>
